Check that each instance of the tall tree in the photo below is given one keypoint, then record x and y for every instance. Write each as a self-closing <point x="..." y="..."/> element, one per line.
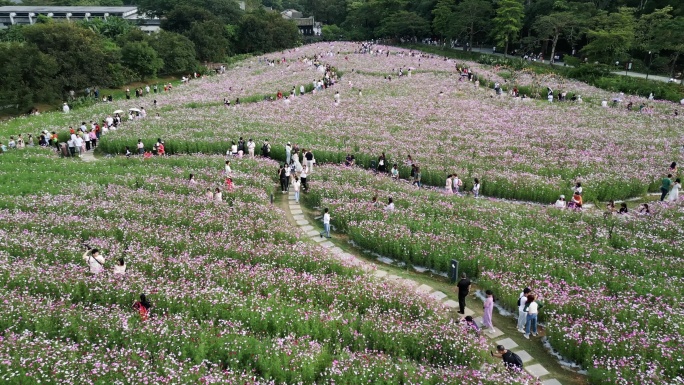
<point x="177" y="52"/>
<point x="473" y="18"/>
<point x="443" y="18"/>
<point x="84" y="58"/>
<point x="552" y="27"/>
<point x="612" y="37"/>
<point x="403" y="24"/>
<point x="508" y="22"/>
<point x="141" y="58"/>
<point x="672" y="34"/>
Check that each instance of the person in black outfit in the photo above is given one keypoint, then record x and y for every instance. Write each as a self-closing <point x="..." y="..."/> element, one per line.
<point x="512" y="361"/>
<point x="382" y="163"/>
<point x="463" y="288"/>
<point x="283" y="179"/>
<point x="241" y="146"/>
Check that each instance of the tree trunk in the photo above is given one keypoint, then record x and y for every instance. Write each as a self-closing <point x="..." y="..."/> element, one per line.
<point x="674" y="63"/>
<point x="553" y="49"/>
<point x="472" y="32"/>
<point x="506" y="48"/>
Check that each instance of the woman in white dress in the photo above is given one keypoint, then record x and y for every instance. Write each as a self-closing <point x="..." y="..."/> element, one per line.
<point x="674" y="192"/>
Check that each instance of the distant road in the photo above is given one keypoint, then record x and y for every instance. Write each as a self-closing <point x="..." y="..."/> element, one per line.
<point x="488" y="51"/>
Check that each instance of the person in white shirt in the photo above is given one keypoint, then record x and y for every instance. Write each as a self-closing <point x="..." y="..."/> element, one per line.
<point x="218" y="197"/>
<point x="561" y="203"/>
<point x="141" y="147"/>
<point x="476" y="187"/>
<point x="303" y="176"/>
<point x="95" y="260"/>
<point x="522" y="314"/>
<point x="326" y="224"/>
<point x="390" y="205"/>
<point x="532" y="313"/>
<point x="457" y="183"/>
<point x="228" y="169"/>
<point x="65" y="108"/>
<point x="209" y="195"/>
<point x="233" y="149"/>
<point x="296" y="185"/>
<point x="250" y="147"/>
<point x="288" y="153"/>
<point x="78" y="144"/>
<point x="120" y="267"/>
<point x="301" y="90"/>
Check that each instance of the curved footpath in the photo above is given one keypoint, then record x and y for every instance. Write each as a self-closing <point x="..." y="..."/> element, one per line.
<point x="497" y="338"/>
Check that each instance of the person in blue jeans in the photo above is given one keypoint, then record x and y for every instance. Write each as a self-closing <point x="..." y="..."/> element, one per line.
<point x="532" y="312"/>
<point x="326" y="224"/>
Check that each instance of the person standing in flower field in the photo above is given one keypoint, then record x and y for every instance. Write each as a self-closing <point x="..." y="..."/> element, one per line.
<point x="532" y="308"/>
<point x="665" y="186"/>
<point x="674" y="192"/>
<point x="266" y="149"/>
<point x="457" y="183"/>
<point x="326" y="223"/>
<point x="218" y="197"/>
<point x="522" y="313"/>
<point x="488" y="308"/>
<point x="303" y="176"/>
<point x="143" y="307"/>
<point x="308" y="155"/>
<point x="250" y="147"/>
<point x="94" y="260"/>
<point x="476" y="187"/>
<point x="463" y="290"/>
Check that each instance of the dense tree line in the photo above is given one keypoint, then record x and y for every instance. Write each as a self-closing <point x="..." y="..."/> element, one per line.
<point x="42" y="63"/>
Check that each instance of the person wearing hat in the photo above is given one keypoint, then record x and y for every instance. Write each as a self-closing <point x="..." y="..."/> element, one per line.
<point x="512" y="361"/>
<point x="522" y="314"/>
<point x="560" y="203"/>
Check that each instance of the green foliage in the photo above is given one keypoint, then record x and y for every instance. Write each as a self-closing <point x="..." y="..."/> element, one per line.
<point x="262" y="31"/>
<point x="181" y="18"/>
<point x="26" y="75"/>
<point x="82" y="56"/>
<point x="177" y="52"/>
<point x="211" y="41"/>
<point x="111" y="28"/>
<point x="508" y="22"/>
<point x="612" y="36"/>
<point x="404" y="24"/>
<point x="332" y="32"/>
<point x="141" y="58"/>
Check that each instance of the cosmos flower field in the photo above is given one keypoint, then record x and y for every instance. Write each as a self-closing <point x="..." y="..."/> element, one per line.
<point x="239" y="296"/>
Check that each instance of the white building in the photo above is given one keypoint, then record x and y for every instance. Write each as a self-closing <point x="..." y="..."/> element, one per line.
<point x="25" y="15"/>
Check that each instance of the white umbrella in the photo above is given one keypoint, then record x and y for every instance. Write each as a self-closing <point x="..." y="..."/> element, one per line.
<point x="118" y="112"/>
<point x="134" y="109"/>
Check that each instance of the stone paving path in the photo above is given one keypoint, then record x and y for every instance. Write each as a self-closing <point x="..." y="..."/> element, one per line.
<point x="497" y="338"/>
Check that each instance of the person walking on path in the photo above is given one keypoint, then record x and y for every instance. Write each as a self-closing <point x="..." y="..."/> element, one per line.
<point x="488" y="309"/>
<point x="512" y="361"/>
<point x="326" y="223"/>
<point x="532" y="312"/>
<point x="522" y="314"/>
<point x="463" y="289"/>
<point x="665" y="186"/>
<point x="296" y="186"/>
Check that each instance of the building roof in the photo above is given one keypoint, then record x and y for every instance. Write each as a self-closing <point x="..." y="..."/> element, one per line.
<point x="50" y="9"/>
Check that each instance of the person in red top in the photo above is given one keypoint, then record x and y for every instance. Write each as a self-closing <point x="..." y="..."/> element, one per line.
<point x="160" y="149"/>
<point x="280" y="95"/>
<point x="229" y="184"/>
<point x="143" y="307"/>
<point x="71" y="130"/>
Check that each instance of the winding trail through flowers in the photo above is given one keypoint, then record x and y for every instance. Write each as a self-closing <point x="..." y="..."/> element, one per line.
<point x="298" y="217"/>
